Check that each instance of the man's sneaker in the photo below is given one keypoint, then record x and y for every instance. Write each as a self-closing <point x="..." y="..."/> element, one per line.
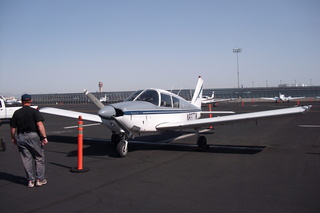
<point x="31" y="183"/>
<point x="41" y="182"/>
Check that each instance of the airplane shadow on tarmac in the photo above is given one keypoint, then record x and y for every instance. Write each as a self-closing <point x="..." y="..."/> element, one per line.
<point x="101" y="147"/>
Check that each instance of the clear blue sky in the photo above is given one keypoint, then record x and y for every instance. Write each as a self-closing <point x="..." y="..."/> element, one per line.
<point x="63" y="46"/>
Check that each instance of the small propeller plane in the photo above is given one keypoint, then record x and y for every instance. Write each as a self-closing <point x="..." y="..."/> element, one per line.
<point x="156" y="110"/>
<point x="212" y="100"/>
<point x="282" y="98"/>
<point x="104" y="99"/>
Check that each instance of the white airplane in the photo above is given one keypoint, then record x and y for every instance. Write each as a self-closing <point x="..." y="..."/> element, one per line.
<point x="282" y="98"/>
<point x="212" y="100"/>
<point x="156" y="110"/>
<point x="104" y="99"/>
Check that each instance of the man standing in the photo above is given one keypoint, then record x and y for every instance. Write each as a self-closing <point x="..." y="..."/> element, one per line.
<point x="28" y="133"/>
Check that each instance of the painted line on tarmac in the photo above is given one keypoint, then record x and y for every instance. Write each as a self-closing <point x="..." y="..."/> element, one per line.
<point x="310" y="126"/>
<point x="72" y="127"/>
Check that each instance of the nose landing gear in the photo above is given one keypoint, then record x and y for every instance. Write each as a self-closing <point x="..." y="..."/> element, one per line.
<point x="122" y="148"/>
<point x="121" y="144"/>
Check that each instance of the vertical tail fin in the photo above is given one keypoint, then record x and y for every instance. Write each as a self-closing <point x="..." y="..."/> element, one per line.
<point x="197" y="96"/>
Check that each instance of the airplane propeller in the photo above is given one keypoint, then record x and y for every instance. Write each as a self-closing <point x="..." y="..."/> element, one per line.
<point x="108" y="112"/>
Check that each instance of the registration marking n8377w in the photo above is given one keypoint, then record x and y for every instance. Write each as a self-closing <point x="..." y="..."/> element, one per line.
<point x="191" y="116"/>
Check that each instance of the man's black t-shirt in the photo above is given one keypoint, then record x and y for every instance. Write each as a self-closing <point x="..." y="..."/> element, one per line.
<point x="25" y="119"/>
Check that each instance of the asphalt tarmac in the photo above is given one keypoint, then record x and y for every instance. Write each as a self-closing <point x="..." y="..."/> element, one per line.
<point x="273" y="166"/>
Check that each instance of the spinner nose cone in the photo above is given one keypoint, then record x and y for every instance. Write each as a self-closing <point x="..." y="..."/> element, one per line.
<point x="107" y="112"/>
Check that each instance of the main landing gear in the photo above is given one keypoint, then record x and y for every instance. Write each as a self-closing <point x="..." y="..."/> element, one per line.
<point x="202" y="142"/>
<point x="121" y="144"/>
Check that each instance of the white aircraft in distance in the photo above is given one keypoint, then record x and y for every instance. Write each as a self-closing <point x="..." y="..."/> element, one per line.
<point x="104" y="99"/>
<point x="282" y="98"/>
<point x="211" y="100"/>
<point x="156" y="110"/>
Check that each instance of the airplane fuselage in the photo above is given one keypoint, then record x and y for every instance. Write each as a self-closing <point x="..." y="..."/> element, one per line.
<point x="143" y="116"/>
<point x="144" y="110"/>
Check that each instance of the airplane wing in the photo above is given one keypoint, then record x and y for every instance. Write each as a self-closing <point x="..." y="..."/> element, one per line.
<point x="71" y="114"/>
<point x="293" y="98"/>
<point x="206" y="122"/>
<point x="272" y="99"/>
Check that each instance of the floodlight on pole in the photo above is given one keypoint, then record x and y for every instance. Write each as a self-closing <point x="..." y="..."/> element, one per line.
<point x="237" y="50"/>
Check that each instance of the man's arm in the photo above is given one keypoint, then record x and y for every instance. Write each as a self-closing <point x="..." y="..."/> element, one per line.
<point x="42" y="132"/>
<point x="13" y="135"/>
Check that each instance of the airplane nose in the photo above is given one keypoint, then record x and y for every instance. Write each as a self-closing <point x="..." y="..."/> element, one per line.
<point x="107" y="112"/>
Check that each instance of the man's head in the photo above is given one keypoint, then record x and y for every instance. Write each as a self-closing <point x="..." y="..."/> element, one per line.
<point x="26" y="99"/>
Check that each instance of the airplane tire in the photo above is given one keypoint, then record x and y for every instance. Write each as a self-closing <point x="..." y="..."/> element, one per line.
<point x="202" y="142"/>
<point x="122" y="148"/>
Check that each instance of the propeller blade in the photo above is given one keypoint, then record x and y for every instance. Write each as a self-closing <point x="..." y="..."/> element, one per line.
<point x="93" y="99"/>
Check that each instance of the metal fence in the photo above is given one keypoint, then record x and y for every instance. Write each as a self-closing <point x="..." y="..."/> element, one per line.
<point x="80" y="98"/>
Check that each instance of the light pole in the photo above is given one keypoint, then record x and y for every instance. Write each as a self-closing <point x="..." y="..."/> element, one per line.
<point x="237" y="50"/>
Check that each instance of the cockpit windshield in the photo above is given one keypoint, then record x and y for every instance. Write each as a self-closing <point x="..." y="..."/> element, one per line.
<point x="151" y="96"/>
<point x="133" y="95"/>
<point x="159" y="98"/>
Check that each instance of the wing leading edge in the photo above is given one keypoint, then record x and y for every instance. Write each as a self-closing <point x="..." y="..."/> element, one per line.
<point x="206" y="122"/>
<point x="71" y="114"/>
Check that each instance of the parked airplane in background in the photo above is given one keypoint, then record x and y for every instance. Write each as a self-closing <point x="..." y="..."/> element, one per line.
<point x="104" y="99"/>
<point x="282" y="98"/>
<point x="212" y="100"/>
<point x="156" y="110"/>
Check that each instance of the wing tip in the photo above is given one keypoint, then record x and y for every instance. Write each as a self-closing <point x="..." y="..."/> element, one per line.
<point x="306" y="109"/>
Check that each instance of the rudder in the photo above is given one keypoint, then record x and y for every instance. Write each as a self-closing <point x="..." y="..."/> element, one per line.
<point x="197" y="96"/>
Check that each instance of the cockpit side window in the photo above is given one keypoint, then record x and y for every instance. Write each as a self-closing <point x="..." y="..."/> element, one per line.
<point x="151" y="96"/>
<point x="176" y="102"/>
<point x="133" y="95"/>
<point x="165" y="100"/>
